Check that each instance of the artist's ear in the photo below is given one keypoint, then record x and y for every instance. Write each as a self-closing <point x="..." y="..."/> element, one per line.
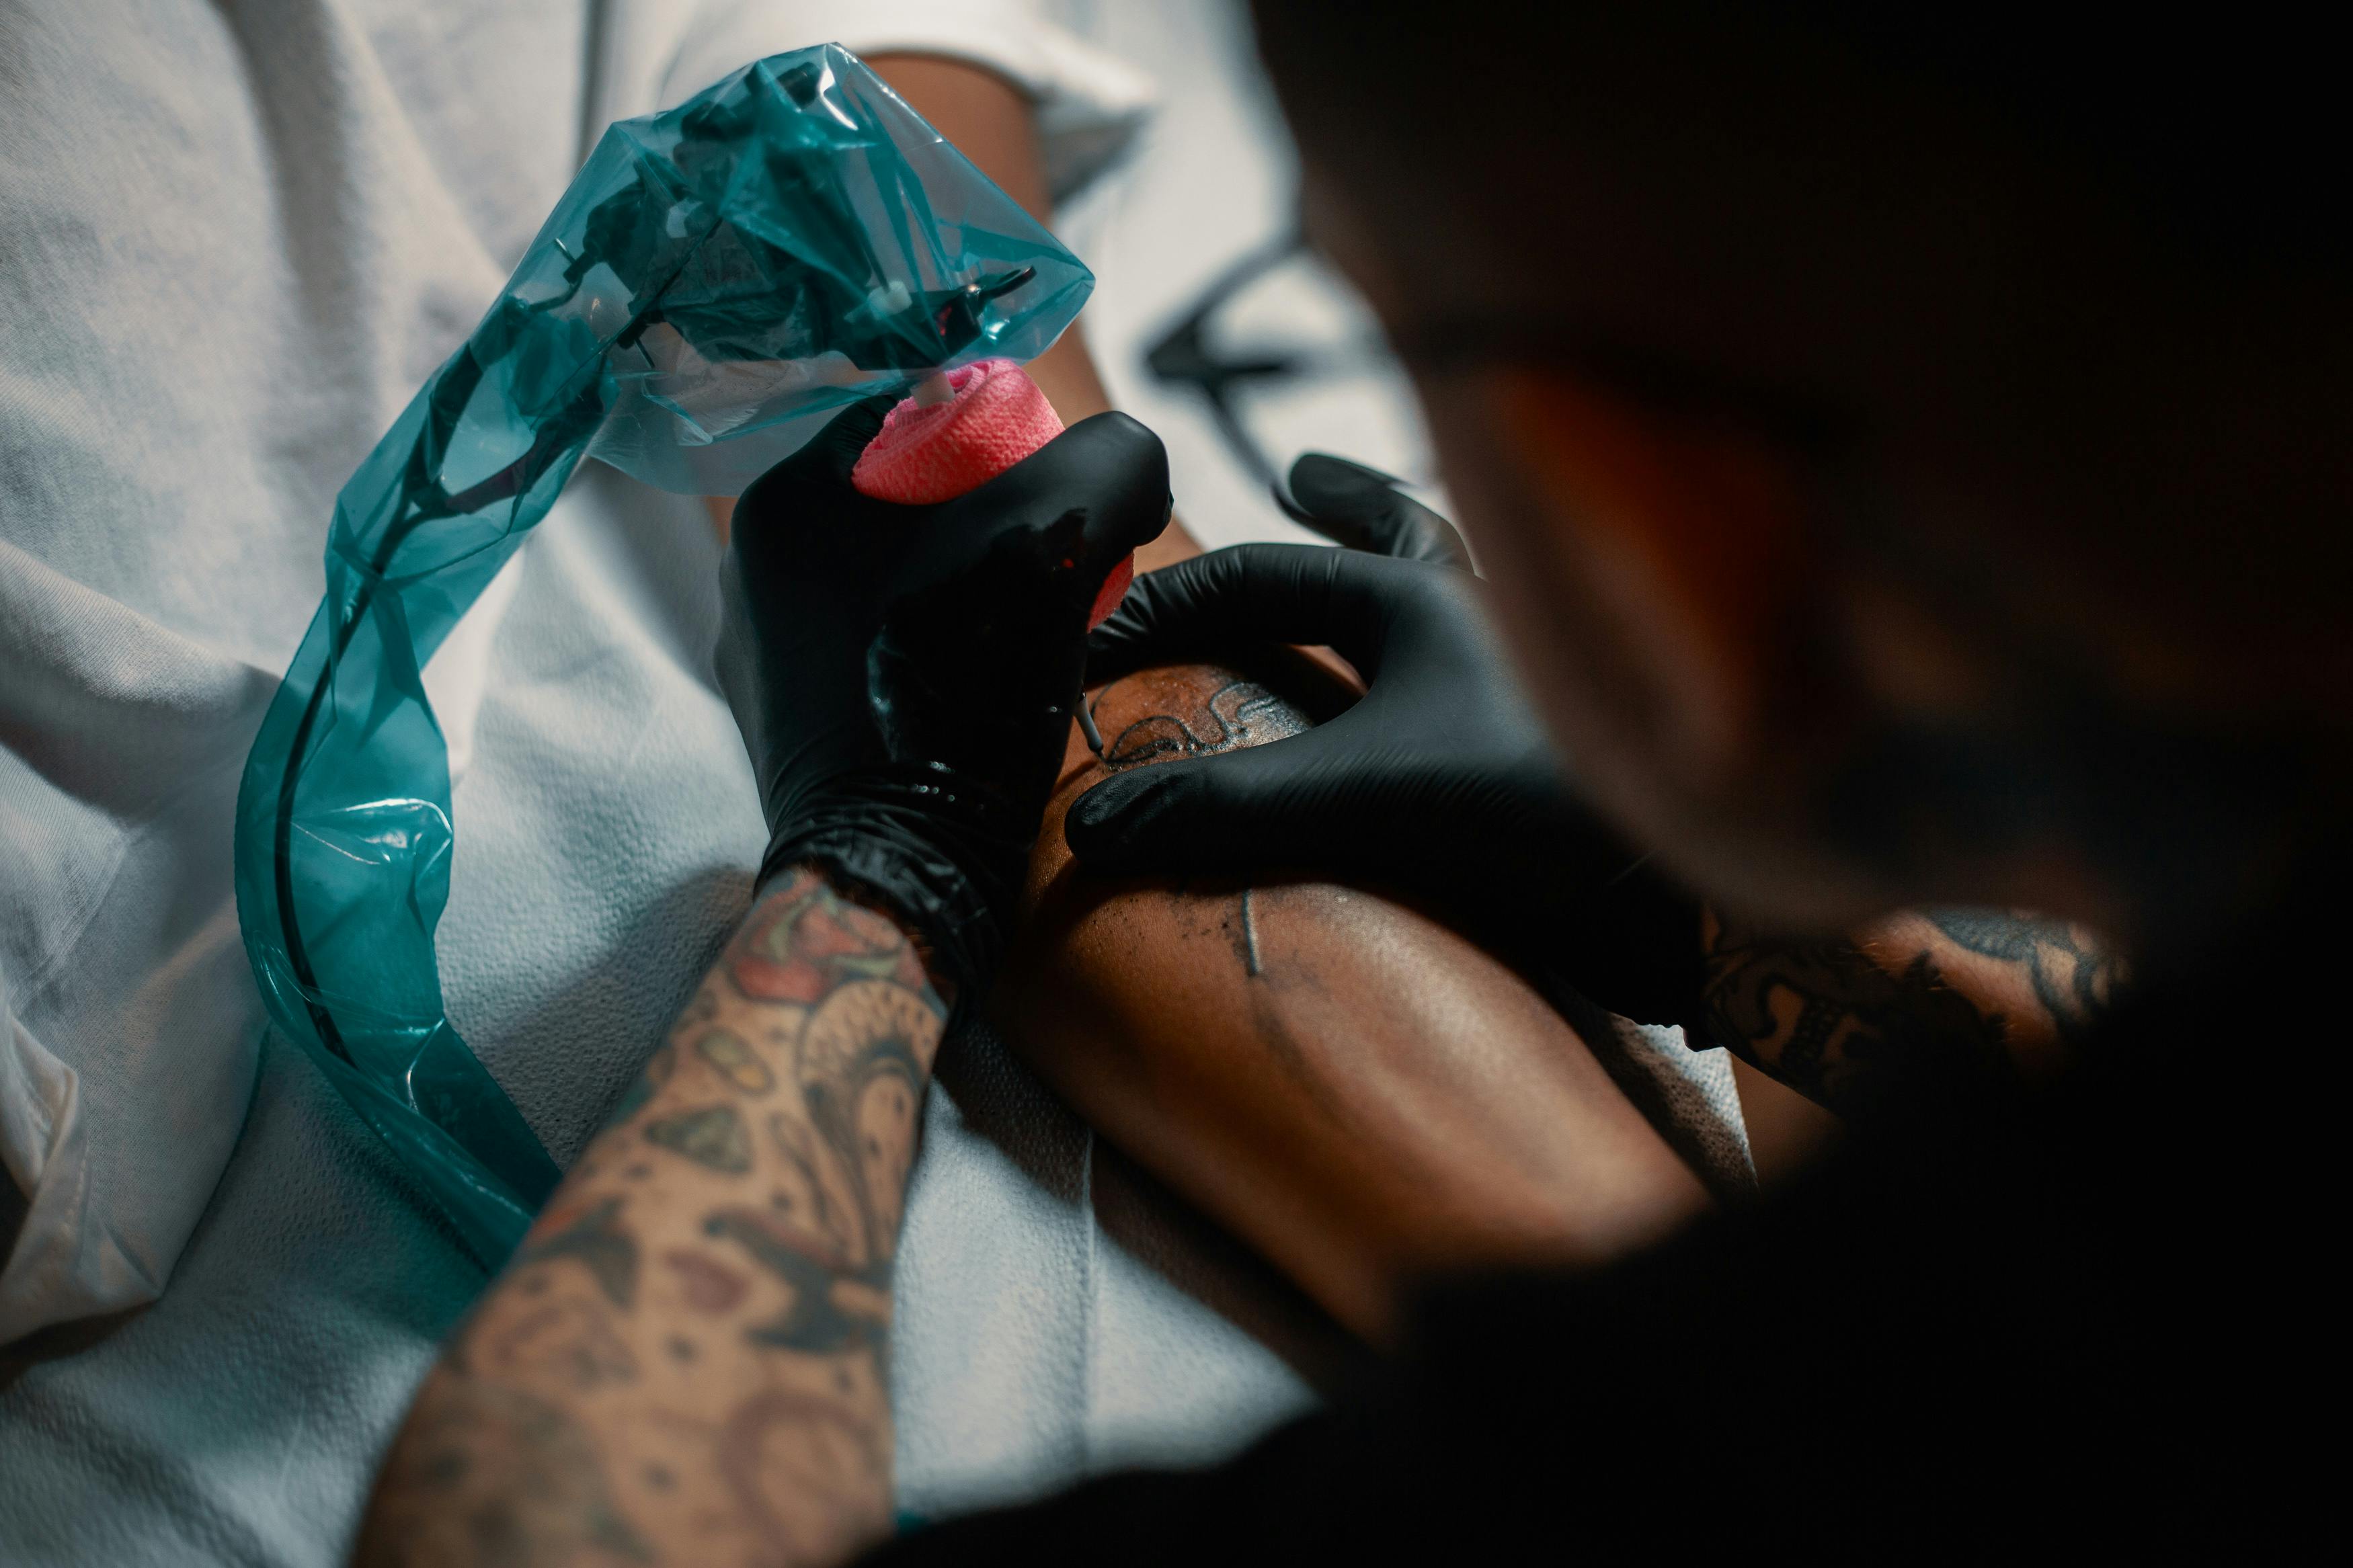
<point x="1689" y="535"/>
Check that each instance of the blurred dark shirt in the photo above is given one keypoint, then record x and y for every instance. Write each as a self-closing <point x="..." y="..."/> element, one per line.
<point x="2096" y="1322"/>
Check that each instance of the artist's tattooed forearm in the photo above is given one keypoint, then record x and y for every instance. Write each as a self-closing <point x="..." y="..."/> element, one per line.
<point x="486" y="1473"/>
<point x="733" y="1060"/>
<point x="1835" y="1025"/>
<point x="695" y="1334"/>
<point x="1927" y="1008"/>
<point x="2074" y="977"/>
<point x="596" y="1239"/>
<point x="806" y="940"/>
<point x="835" y="1306"/>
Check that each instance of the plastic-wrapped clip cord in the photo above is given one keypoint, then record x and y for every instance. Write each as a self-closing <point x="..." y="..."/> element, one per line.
<point x="714" y="284"/>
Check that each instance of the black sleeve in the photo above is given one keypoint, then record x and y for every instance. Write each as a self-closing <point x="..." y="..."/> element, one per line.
<point x="1611" y="1410"/>
<point x="2071" y="1331"/>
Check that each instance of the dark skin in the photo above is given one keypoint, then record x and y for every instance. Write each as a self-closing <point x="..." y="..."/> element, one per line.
<point x="1358" y="1092"/>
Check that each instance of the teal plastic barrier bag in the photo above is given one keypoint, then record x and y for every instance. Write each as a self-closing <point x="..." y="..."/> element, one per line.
<point x="715" y="283"/>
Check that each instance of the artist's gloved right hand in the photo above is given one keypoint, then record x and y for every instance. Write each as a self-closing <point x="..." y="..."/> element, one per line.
<point x="1442" y="783"/>
<point x="904" y="676"/>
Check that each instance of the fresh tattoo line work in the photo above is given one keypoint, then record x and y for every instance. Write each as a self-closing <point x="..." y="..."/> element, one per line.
<point x="691" y="1347"/>
<point x="1245" y="714"/>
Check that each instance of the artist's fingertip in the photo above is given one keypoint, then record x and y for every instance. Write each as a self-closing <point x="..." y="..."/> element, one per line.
<point x="1087" y="825"/>
<point x="1109" y="827"/>
<point x="1321" y="482"/>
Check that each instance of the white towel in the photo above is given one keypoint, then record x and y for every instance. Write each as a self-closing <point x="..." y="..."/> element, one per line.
<point x="238" y="239"/>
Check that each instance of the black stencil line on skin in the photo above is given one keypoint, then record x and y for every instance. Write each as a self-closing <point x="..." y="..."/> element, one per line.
<point x="1236" y="707"/>
<point x="1250" y="964"/>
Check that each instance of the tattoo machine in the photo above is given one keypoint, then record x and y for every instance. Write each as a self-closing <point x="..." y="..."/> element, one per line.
<point x="960" y="429"/>
<point x="718" y="281"/>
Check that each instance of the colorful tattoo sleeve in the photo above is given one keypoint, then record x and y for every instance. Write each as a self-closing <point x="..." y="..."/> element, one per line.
<point x="687" y="1360"/>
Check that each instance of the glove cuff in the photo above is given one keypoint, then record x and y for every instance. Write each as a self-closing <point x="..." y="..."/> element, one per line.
<point x="948" y="854"/>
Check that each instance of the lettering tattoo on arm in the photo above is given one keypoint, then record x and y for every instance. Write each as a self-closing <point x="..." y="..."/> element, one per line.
<point x="1244" y="713"/>
<point x="1949" y="1004"/>
<point x="687" y="1359"/>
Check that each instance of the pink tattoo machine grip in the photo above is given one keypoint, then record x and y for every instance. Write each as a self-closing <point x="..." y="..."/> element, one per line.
<point x="932" y="452"/>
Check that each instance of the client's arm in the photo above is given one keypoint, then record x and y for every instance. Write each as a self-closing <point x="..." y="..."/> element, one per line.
<point x="1346" y="1084"/>
<point x="688" y="1351"/>
<point x="1343" y="1080"/>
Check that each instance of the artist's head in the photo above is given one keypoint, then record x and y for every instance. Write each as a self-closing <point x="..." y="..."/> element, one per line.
<point x="1912" y="460"/>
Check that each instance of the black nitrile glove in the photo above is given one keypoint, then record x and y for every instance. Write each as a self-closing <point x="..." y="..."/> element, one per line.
<point x="1442" y="782"/>
<point x="905" y="675"/>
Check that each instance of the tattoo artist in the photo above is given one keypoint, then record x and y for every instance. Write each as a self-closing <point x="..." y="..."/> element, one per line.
<point x="1850" y="536"/>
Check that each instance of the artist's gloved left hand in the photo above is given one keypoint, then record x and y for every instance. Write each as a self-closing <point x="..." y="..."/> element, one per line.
<point x="1442" y="783"/>
<point x="905" y="675"/>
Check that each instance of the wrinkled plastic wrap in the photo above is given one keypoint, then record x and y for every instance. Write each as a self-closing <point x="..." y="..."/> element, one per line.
<point x="716" y="282"/>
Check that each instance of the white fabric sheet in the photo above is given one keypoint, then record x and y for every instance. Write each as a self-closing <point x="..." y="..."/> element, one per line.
<point x="238" y="239"/>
